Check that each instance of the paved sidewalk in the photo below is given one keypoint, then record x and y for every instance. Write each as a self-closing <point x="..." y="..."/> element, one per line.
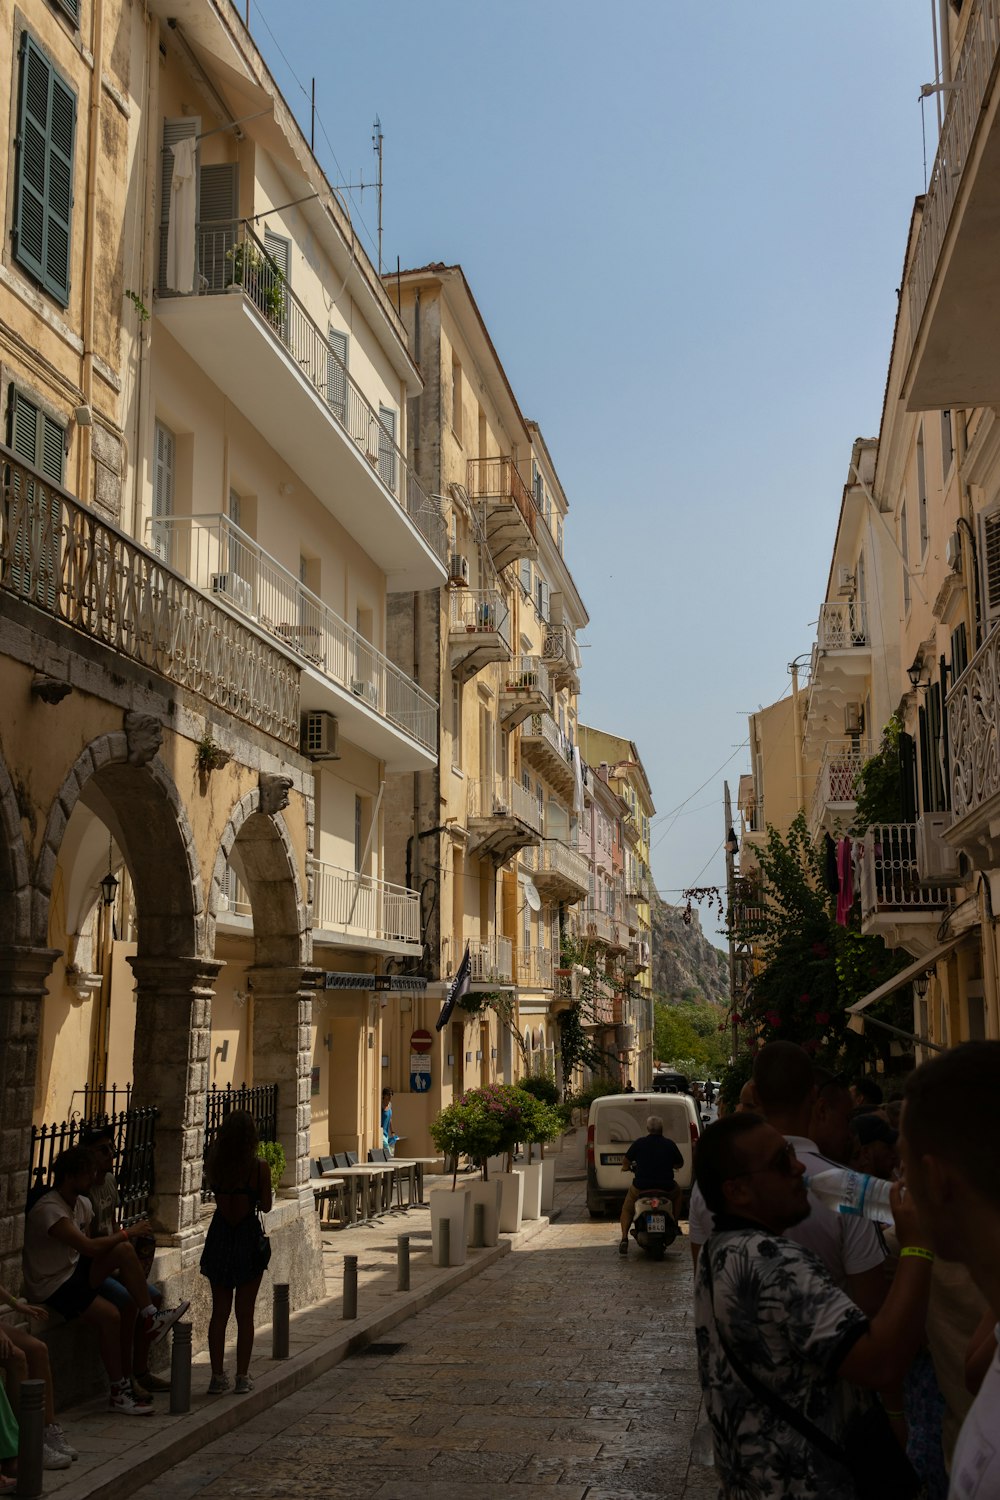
<point x="119" y="1454"/>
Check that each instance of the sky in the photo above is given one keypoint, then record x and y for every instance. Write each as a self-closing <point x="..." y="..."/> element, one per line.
<point x="684" y="226"/>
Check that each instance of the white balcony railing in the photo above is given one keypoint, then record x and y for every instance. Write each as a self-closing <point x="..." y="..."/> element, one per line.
<point x="67" y="561"/>
<point x="973" y="714"/>
<point x="890" y="880"/>
<point x="361" y="906"/>
<point x="544" y="727"/>
<point x="553" y="857"/>
<point x="597" y="924"/>
<point x="843" y="626"/>
<point x="835" y="785"/>
<point x="479" y="611"/>
<point x="225" y="562"/>
<point x="534" y="967"/>
<point x="964" y="111"/>
<point x="492" y="960"/>
<point x="527" y="674"/>
<point x="503" y="797"/>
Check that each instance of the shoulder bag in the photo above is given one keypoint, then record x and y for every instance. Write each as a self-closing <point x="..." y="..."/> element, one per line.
<point x="870" y="1451"/>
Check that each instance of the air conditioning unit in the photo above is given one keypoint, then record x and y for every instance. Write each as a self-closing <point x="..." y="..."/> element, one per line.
<point x="237" y="590"/>
<point x="953" y="552"/>
<point x="937" y="862"/>
<point x="319" y="737"/>
<point x="362" y="688"/>
<point x="458" y="569"/>
<point x="853" y="718"/>
<point x="845" y="581"/>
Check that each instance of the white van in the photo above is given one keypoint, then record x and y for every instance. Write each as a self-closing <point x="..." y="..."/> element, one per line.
<point x="615" y="1121"/>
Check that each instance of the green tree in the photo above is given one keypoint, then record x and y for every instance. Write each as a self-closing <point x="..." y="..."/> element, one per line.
<point x="689" y="1034"/>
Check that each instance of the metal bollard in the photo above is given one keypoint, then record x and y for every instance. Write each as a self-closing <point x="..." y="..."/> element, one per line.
<point x="479" y="1225"/>
<point x="350" y="1286"/>
<point x="180" y="1369"/>
<point x="279" y="1321"/>
<point x="445" y="1230"/>
<point x="402" y="1263"/>
<point x="30" y="1438"/>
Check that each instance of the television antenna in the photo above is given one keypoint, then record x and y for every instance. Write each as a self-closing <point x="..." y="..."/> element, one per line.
<point x="359" y="187"/>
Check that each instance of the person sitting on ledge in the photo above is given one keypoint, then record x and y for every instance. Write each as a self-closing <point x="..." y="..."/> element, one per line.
<point x="64" y="1268"/>
<point x="23" y="1357"/>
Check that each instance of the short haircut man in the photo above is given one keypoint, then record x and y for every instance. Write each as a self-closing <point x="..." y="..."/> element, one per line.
<point x="654" y="1125"/>
<point x="948" y="1143"/>
<point x="867" y="1094"/>
<point x="72" y="1162"/>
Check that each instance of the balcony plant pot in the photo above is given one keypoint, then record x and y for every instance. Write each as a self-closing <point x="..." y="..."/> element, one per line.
<point x="511" y="1201"/>
<point x="531" y="1172"/>
<point x="454" y="1206"/>
<point x="486" y="1194"/>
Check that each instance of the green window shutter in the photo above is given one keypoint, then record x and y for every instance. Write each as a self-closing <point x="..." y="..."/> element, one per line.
<point x="44" y="175"/>
<point x="35" y="553"/>
<point x="24" y="426"/>
<point x="72" y="9"/>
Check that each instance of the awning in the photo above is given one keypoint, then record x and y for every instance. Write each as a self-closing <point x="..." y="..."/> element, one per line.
<point x="912" y="971"/>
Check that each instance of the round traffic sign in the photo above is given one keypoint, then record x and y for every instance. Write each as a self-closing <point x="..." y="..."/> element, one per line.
<point x="421" y="1041"/>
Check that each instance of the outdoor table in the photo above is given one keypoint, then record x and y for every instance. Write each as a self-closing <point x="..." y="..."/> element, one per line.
<point x="416" y="1165"/>
<point x="365" y="1175"/>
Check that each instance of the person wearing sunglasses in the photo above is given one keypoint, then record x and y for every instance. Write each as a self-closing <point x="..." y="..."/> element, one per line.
<point x="789" y="1364"/>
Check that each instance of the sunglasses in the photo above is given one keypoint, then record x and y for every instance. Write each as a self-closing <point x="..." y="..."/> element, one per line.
<point x="784" y="1163"/>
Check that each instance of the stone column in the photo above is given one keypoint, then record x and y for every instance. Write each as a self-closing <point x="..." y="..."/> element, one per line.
<point x="282" y="1054"/>
<point x="173" y="1021"/>
<point x="23" y="976"/>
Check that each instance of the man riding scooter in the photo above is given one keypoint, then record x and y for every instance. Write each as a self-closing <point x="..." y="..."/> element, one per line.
<point x="652" y="1159"/>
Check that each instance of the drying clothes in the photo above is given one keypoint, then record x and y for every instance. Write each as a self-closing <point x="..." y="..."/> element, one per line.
<point x="180" y="228"/>
<point x="830" y="876"/>
<point x="845" y="875"/>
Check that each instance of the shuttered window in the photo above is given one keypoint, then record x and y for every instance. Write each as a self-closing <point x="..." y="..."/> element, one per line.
<point x="336" y="374"/>
<point x="387" y="446"/>
<point x="40" y="441"/>
<point x="72" y="9"/>
<point x="36" y="438"/>
<point x="173" y="131"/>
<point x="990" y="554"/>
<point x="43" y="189"/>
<point x="280" y="251"/>
<point x="959" y="651"/>
<point x="218" y="211"/>
<point x="164" y="459"/>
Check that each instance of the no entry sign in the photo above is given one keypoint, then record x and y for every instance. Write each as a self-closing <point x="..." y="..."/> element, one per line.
<point x="421" y="1041"/>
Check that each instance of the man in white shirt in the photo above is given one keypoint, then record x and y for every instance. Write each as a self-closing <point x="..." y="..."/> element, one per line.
<point x="948" y="1144"/>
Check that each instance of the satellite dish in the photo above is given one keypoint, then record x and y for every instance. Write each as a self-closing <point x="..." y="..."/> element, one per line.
<point x="531" y="896"/>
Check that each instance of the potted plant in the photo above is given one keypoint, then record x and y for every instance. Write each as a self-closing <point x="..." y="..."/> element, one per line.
<point x="258" y="275"/>
<point x="545" y="1123"/>
<point x="463" y="1128"/>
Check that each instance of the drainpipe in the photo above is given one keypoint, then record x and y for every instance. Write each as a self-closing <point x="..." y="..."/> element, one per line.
<point x="797" y="736"/>
<point x="946" y="73"/>
<point x="142" y="383"/>
<point x="89" y="250"/>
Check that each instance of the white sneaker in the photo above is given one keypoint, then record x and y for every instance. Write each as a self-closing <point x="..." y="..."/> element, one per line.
<point x="158" y="1324"/>
<point x="56" y="1438"/>
<point x="55" y="1458"/>
<point x="123" y="1399"/>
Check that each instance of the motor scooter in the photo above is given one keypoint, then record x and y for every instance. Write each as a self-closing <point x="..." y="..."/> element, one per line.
<point x="653" y="1224"/>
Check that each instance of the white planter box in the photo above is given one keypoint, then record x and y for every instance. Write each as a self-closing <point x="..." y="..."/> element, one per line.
<point x="511" y="1199"/>
<point x="548" y="1165"/>
<point x="488" y="1195"/>
<point x="456" y="1208"/>
<point x="531" y="1172"/>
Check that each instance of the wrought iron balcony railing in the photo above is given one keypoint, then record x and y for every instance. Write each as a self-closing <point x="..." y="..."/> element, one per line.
<point x="224" y="561"/>
<point x="554" y="858"/>
<point x="843" y="626"/>
<point x="503" y="797"/>
<point x="231" y="256"/>
<point x="890" y="879"/>
<point x="492" y="960"/>
<point x="498" y="479"/>
<point x="62" y="557"/>
<point x="534" y="967"/>
<point x="479" y="611"/>
<point x="973" y="714"/>
<point x="364" y="907"/>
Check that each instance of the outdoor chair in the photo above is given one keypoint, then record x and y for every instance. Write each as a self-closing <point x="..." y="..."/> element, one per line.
<point x="330" y="1197"/>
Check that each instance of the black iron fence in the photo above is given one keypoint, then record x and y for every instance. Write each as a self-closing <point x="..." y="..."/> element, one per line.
<point x="134" y="1146"/>
<point x="261" y="1099"/>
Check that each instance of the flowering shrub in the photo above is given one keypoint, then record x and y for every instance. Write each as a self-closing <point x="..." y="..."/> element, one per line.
<point x="482" y="1123"/>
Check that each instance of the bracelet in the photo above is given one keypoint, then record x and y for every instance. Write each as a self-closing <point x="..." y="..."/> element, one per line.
<point x="918" y="1251"/>
<point x="893" y="1413"/>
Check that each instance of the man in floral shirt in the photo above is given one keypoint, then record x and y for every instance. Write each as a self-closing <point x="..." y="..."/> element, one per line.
<point x="768" y="1305"/>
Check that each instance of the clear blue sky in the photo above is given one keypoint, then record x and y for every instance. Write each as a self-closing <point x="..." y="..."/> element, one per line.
<point x="684" y="226"/>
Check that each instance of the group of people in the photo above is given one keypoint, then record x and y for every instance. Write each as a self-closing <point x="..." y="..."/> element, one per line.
<point x="79" y="1261"/>
<point x="839" y="1360"/>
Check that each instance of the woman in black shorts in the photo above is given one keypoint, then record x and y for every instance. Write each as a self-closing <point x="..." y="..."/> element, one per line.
<point x="236" y="1250"/>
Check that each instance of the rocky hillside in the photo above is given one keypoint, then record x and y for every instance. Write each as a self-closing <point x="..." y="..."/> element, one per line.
<point x="686" y="965"/>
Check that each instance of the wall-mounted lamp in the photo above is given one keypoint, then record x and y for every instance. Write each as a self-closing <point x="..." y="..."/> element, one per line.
<point x="328" y="1041"/>
<point x="914" y="672"/>
<point x="109" y="885"/>
<point x="920" y="985"/>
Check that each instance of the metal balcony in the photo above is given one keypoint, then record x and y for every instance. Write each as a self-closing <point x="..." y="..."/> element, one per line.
<point x="492" y="960"/>
<point x="509" y="516"/>
<point x="973" y="715"/>
<point x="834" y="797"/>
<point x="70" y="563"/>
<point x="251" y="335"/>
<point x="524" y="690"/>
<point x="596" y="925"/>
<point x="951" y="288"/>
<point x="377" y="706"/>
<point x="361" y="912"/>
<point x="894" y="903"/>
<point x="503" y="818"/>
<point x="534" y="968"/>
<point x="478" y="630"/>
<point x="561" y="655"/>
<point x="558" y="871"/>
<point x="549" y="750"/>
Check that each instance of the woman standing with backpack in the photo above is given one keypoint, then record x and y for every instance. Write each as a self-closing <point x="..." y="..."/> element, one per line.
<point x="237" y="1250"/>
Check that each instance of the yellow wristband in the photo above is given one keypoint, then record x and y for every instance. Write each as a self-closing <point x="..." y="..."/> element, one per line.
<point x="918" y="1251"/>
<point x="894" y="1413"/>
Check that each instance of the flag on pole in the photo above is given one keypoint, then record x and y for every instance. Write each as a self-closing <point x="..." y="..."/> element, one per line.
<point x="460" y="985"/>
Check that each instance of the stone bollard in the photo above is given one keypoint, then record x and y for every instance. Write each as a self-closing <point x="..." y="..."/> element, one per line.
<point x="350" y="1286"/>
<point x="444" y="1229"/>
<point x="403" y="1263"/>
<point x="180" y="1369"/>
<point x="479" y="1225"/>
<point x="30" y="1438"/>
<point x="279" y="1321"/>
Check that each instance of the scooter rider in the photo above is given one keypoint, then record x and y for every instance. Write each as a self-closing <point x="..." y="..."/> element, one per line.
<point x="652" y="1158"/>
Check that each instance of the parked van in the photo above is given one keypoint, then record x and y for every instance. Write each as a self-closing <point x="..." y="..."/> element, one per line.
<point x="616" y="1120"/>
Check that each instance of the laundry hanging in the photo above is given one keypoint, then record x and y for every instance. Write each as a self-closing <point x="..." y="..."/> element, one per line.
<point x="181" y="225"/>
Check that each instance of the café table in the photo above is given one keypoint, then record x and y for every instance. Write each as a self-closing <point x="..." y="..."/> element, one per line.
<point x="361" y="1180"/>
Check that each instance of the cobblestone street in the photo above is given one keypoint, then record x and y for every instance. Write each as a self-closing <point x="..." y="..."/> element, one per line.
<point x="563" y="1369"/>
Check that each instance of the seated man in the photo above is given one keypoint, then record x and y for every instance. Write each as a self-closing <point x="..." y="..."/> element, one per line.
<point x="103" y="1195"/>
<point x="64" y="1268"/>
<point x="652" y="1158"/>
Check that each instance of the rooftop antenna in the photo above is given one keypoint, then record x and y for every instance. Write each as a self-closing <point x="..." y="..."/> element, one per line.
<point x="359" y="187"/>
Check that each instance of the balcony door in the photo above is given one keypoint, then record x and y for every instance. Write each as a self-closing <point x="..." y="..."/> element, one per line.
<point x="218" y="212"/>
<point x="387" y="447"/>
